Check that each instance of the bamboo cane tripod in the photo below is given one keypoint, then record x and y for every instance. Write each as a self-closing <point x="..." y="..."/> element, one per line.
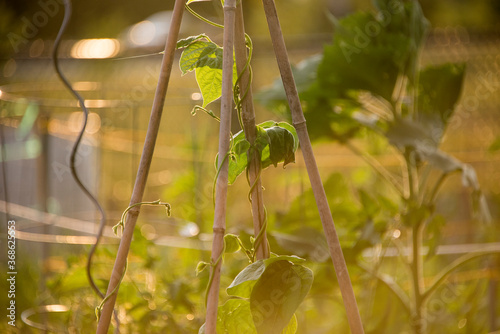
<point x="234" y="37"/>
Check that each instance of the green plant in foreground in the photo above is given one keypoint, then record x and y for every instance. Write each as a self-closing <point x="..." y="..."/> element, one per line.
<point x="264" y="296"/>
<point x="369" y="82"/>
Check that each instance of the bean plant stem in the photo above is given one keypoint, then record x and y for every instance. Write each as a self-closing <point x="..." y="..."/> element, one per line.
<point x="219" y="226"/>
<point x="248" y="119"/>
<point x="299" y="123"/>
<point x="144" y="165"/>
<point x="418" y="321"/>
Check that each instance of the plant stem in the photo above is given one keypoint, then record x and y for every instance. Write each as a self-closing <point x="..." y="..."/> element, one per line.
<point x="219" y="226"/>
<point x="452" y="267"/>
<point x="409" y="171"/>
<point x="144" y="165"/>
<point x="418" y="316"/>
<point x="299" y="123"/>
<point x="248" y="119"/>
<point x="437" y="186"/>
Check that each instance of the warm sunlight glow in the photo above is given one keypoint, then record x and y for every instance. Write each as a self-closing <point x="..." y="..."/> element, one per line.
<point x="75" y="122"/>
<point x="196" y="96"/>
<point x="189" y="230"/>
<point x="396" y="234"/>
<point x="95" y="48"/>
<point x="142" y="33"/>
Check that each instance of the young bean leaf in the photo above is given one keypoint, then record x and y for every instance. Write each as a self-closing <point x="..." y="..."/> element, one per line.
<point x="201" y="266"/>
<point x="231" y="243"/>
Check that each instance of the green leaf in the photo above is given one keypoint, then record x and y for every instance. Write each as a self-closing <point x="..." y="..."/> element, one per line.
<point x="438" y="92"/>
<point x="243" y="283"/>
<point x="231" y="243"/>
<point x="187" y="41"/>
<point x="234" y="316"/>
<point x="281" y="147"/>
<point x="304" y="74"/>
<point x="358" y="61"/>
<point x="277" y="294"/>
<point x="191" y="1"/>
<point x="290" y="258"/>
<point x="201" y="266"/>
<point x="239" y="158"/>
<point x="405" y="132"/>
<point x="205" y="58"/>
<point x="194" y="53"/>
<point x="210" y="83"/>
<point x="276" y="142"/>
<point x="291" y="328"/>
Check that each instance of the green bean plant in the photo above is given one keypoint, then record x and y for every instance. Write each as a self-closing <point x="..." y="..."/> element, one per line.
<point x="263" y="297"/>
<point x="369" y="84"/>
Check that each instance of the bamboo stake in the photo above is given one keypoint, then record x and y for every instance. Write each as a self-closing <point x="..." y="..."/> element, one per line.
<point x="219" y="227"/>
<point x="248" y="118"/>
<point x="145" y="163"/>
<point x="299" y="123"/>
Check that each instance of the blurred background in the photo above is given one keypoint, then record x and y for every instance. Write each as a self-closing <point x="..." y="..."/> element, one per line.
<point x="40" y="121"/>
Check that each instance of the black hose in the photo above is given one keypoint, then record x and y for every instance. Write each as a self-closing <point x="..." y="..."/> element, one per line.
<point x="93" y="199"/>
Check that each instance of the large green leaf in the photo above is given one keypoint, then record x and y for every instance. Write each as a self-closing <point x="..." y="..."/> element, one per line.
<point x="235" y="317"/>
<point x="407" y="18"/>
<point x="277" y="294"/>
<point x="360" y="60"/>
<point x="438" y="92"/>
<point x="205" y="58"/>
<point x="243" y="283"/>
<point x="304" y="74"/>
<point x="405" y="132"/>
<point x="281" y="146"/>
<point x="276" y="143"/>
<point x="200" y="53"/>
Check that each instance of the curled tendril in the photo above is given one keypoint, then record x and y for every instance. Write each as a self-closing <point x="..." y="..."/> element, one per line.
<point x="121" y="223"/>
<point x="208" y="112"/>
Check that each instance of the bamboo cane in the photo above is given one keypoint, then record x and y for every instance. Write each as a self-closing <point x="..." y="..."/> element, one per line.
<point x="221" y="185"/>
<point x="299" y="123"/>
<point x="145" y="163"/>
<point x="248" y="118"/>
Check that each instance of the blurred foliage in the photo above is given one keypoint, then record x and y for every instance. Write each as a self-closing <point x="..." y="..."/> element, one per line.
<point x="368" y="80"/>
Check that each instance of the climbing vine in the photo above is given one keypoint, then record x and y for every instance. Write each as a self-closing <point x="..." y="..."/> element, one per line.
<point x="275" y="143"/>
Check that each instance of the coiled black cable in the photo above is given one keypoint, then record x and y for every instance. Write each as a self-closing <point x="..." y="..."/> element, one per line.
<point x="72" y="165"/>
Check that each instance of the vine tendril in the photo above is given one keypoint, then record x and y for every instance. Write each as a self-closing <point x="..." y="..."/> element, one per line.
<point x="204" y="19"/>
